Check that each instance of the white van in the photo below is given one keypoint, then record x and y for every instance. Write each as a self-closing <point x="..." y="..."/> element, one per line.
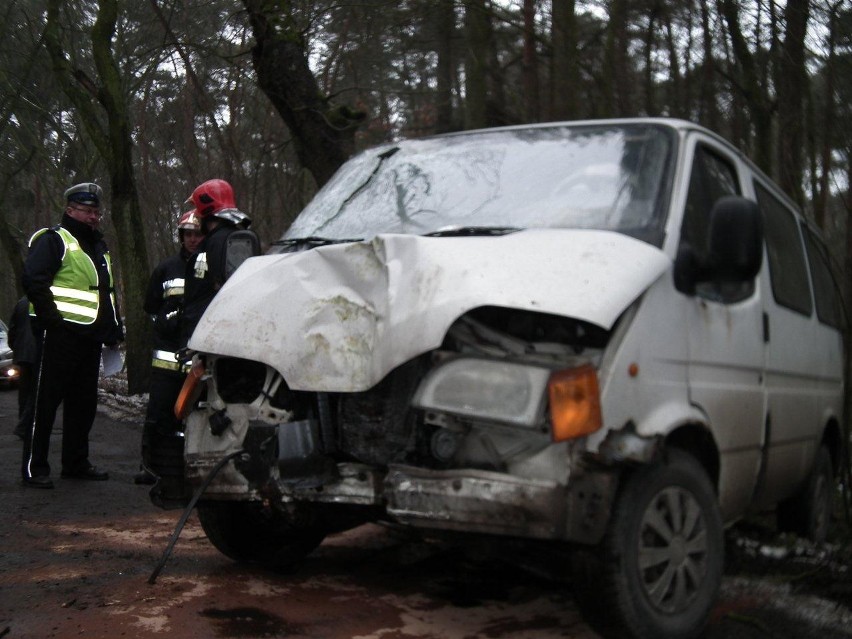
<point x="616" y="335"/>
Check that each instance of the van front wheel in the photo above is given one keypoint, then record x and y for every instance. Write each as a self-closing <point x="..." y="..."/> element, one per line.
<point x="246" y="532"/>
<point x="658" y="570"/>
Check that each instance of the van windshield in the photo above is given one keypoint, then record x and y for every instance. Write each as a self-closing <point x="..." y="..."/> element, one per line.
<point x="612" y="177"/>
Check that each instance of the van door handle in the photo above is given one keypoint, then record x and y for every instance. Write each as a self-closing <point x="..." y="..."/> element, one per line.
<point x="766" y="328"/>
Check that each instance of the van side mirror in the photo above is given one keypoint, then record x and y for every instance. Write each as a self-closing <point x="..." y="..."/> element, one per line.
<point x="242" y="245"/>
<point x="734" y="247"/>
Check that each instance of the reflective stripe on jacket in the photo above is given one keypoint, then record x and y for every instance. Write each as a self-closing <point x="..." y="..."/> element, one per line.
<point x="166" y="360"/>
<point x="173" y="287"/>
<point x="75" y="285"/>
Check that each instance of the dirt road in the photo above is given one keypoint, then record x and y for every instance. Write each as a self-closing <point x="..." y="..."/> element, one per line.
<point x="74" y="562"/>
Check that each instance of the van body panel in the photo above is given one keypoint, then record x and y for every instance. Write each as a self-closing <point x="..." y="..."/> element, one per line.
<point x="737" y="481"/>
<point x="726" y="369"/>
<point x="803" y="381"/>
<point x="804" y="362"/>
<point x="655" y="396"/>
<point x="726" y="351"/>
<point x="339" y="318"/>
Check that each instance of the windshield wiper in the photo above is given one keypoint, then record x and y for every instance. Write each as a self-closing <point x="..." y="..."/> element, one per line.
<point x="310" y="242"/>
<point x="463" y="231"/>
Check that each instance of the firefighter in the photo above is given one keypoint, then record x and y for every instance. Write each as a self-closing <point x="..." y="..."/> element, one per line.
<point x="164" y="302"/>
<point x="207" y="270"/>
<point x="69" y="281"/>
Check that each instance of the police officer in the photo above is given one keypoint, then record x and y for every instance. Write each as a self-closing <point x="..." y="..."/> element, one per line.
<point x="163" y="302"/>
<point x="208" y="269"/>
<point x="69" y="281"/>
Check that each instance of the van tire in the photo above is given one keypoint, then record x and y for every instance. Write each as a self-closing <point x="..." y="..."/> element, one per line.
<point x="245" y="532"/>
<point x="616" y="594"/>
<point x="808" y="513"/>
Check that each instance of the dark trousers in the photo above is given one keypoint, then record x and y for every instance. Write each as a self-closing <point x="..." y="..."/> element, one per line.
<point x="67" y="375"/>
<point x="26" y="398"/>
<point x="160" y="420"/>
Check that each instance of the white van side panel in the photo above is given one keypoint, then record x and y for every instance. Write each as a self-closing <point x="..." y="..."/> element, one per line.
<point x="655" y="342"/>
<point x="725" y="374"/>
<point x="803" y="383"/>
<point x="725" y="358"/>
<point x="657" y="399"/>
<point x="804" y="367"/>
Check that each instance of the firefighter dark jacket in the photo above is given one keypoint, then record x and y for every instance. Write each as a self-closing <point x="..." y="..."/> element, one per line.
<point x="205" y="275"/>
<point x="164" y="301"/>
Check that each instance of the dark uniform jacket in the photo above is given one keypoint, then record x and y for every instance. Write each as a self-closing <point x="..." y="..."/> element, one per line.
<point x="21" y="337"/>
<point x="205" y="275"/>
<point x="164" y="300"/>
<point x="44" y="261"/>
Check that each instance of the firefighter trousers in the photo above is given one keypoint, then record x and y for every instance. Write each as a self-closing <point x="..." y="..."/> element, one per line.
<point x="160" y="420"/>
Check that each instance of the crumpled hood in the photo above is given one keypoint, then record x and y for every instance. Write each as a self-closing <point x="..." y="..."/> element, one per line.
<point x="338" y="318"/>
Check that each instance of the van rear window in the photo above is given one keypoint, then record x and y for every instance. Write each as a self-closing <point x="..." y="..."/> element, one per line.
<point x="787" y="269"/>
<point x="825" y="286"/>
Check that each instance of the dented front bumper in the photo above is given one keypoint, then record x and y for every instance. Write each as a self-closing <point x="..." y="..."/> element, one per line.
<point x="468" y="500"/>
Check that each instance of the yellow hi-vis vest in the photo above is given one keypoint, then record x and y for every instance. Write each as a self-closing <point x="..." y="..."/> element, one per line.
<point x="75" y="285"/>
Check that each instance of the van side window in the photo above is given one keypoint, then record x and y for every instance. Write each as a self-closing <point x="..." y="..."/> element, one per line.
<point x="825" y="286"/>
<point x="786" y="256"/>
<point x="712" y="177"/>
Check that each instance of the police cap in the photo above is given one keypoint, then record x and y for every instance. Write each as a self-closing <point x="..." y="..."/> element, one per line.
<point x="86" y="193"/>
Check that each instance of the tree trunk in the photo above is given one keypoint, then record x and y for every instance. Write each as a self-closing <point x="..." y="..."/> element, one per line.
<point x="617" y="81"/>
<point x="532" y="99"/>
<point x="445" y="27"/>
<point x="115" y="146"/>
<point x="323" y="134"/>
<point x="565" y="77"/>
<point x="828" y="120"/>
<point x="747" y="81"/>
<point x="792" y="87"/>
<point x="650" y="38"/>
<point x="476" y="62"/>
<point x="708" y="111"/>
<point x="14" y="247"/>
<point x="677" y="101"/>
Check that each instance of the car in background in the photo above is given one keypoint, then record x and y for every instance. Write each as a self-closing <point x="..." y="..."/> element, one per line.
<point x="9" y="372"/>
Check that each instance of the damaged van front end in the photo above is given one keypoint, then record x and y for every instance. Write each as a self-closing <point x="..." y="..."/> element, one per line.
<point x="386" y="377"/>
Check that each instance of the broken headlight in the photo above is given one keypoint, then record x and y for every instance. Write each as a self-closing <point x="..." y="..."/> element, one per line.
<point x="494" y="390"/>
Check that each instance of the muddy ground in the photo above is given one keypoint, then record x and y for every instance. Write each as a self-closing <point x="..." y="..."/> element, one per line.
<point x="75" y="562"/>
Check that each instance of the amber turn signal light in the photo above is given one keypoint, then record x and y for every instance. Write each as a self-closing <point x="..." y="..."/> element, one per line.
<point x="575" y="407"/>
<point x="190" y="390"/>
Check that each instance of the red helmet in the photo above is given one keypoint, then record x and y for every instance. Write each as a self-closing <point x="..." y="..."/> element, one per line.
<point x="212" y="196"/>
<point x="189" y="221"/>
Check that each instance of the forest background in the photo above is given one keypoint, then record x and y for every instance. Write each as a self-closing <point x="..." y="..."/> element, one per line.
<point x="151" y="97"/>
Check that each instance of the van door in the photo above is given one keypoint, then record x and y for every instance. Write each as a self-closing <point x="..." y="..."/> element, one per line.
<point x="794" y="357"/>
<point x="726" y="344"/>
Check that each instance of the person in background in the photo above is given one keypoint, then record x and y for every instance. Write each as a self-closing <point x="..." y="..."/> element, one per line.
<point x="69" y="281"/>
<point x="26" y="358"/>
<point x="164" y="302"/>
